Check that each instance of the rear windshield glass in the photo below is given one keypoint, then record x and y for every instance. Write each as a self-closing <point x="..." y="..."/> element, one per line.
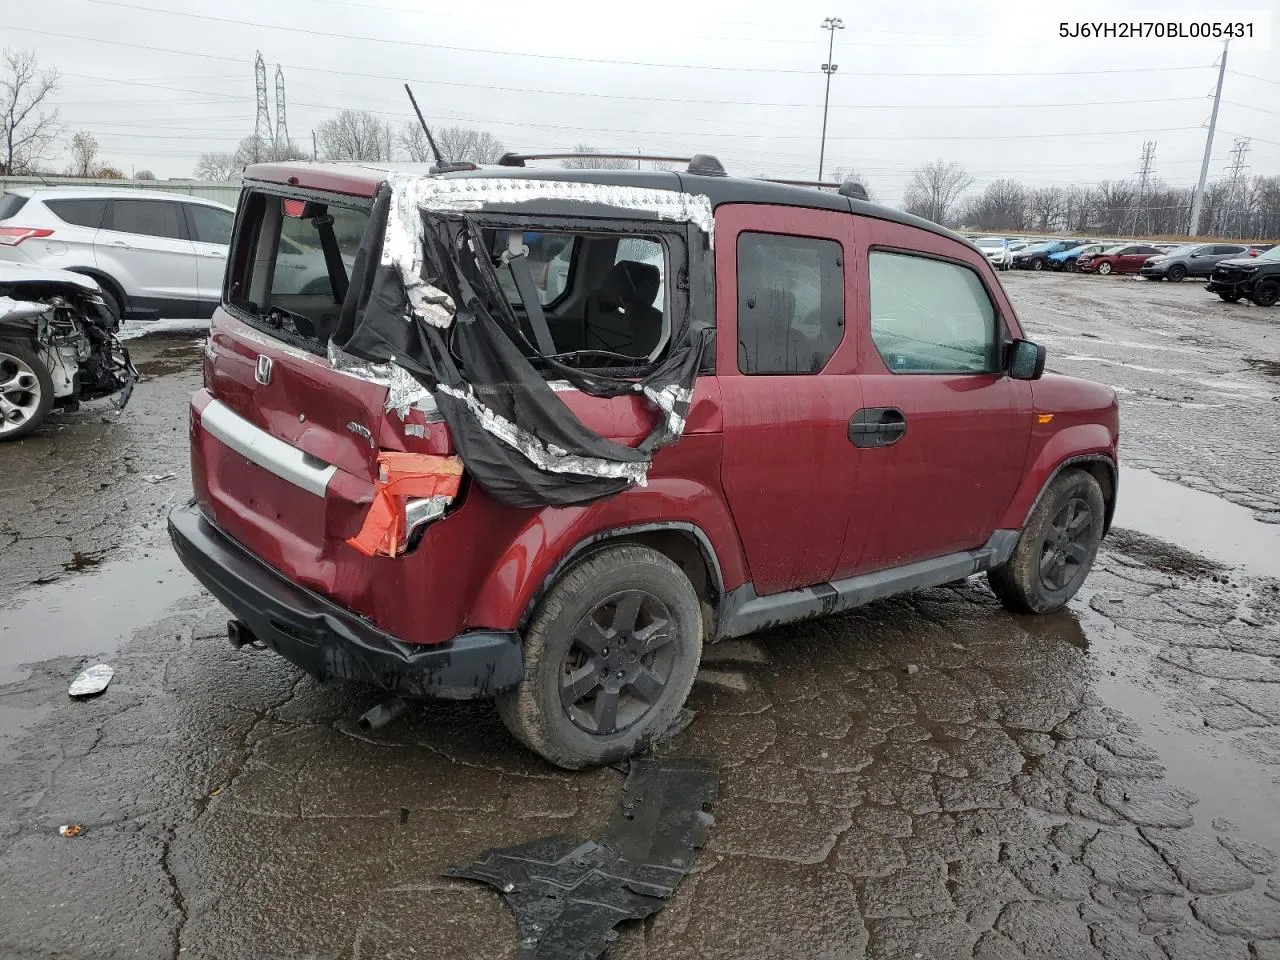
<point x="279" y="268"/>
<point x="10" y="203"/>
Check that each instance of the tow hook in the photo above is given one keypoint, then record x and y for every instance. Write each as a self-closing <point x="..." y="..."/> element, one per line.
<point x="380" y="715"/>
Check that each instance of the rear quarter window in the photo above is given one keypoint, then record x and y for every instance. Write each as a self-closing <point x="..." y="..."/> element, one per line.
<point x="10" y="203"/>
<point x="79" y="211"/>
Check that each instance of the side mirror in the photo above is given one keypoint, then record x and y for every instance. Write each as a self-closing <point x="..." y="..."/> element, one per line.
<point x="1026" y="360"/>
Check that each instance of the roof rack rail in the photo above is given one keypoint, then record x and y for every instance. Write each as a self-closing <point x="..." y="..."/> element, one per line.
<point x="518" y="159"/>
<point x="700" y="163"/>
<point x="850" y="188"/>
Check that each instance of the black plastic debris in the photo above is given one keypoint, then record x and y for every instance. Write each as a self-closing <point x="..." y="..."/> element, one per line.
<point x="569" y="894"/>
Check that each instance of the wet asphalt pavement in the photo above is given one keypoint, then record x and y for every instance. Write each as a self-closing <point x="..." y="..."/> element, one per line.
<point x="926" y="777"/>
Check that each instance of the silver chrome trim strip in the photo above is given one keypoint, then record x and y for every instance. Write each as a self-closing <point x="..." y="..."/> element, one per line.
<point x="286" y="462"/>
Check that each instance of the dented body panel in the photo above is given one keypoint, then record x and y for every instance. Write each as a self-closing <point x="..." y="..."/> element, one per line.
<point x="753" y="483"/>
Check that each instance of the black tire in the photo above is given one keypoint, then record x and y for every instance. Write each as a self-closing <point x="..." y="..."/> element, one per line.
<point x="1266" y="293"/>
<point x="1177" y="273"/>
<point x="1104" y="267"/>
<point x="1037" y="263"/>
<point x="27" y="404"/>
<point x="1229" y="297"/>
<point x="1057" y="547"/>
<point x="567" y="640"/>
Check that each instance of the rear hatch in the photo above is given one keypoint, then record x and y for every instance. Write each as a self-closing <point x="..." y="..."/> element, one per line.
<point x="285" y="437"/>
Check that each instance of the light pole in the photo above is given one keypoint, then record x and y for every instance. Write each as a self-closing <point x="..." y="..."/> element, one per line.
<point x="831" y="24"/>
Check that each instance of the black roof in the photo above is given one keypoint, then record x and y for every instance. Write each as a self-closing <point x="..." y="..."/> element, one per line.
<point x="720" y="190"/>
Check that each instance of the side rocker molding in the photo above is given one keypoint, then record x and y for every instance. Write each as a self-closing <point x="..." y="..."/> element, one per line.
<point x="743" y="612"/>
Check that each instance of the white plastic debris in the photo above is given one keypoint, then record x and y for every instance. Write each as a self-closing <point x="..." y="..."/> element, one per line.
<point x="159" y="477"/>
<point x="91" y="681"/>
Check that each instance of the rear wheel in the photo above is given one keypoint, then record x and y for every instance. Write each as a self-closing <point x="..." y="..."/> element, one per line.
<point x="609" y="659"/>
<point x="1177" y="273"/>
<point x="1266" y="293"/>
<point x="26" y="391"/>
<point x="1229" y="297"/>
<point x="1056" y="549"/>
<point x="1104" y="268"/>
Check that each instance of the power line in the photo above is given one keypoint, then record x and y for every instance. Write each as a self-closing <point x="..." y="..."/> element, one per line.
<point x="633" y="63"/>
<point x="1241" y="73"/>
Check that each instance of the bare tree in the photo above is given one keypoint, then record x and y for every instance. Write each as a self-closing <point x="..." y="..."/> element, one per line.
<point x="354" y="135"/>
<point x="27" y="126"/>
<point x="463" y="144"/>
<point x="842" y="175"/>
<point x="1078" y="204"/>
<point x="1046" y="207"/>
<point x="108" y="172"/>
<point x="934" y="190"/>
<point x="1001" y="206"/>
<point x="218" y="166"/>
<point x="84" y="154"/>
<point x="1114" y="197"/>
<point x="145" y="175"/>
<point x="597" y="163"/>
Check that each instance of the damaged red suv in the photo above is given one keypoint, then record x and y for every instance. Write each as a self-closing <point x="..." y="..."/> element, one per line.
<point x="539" y="434"/>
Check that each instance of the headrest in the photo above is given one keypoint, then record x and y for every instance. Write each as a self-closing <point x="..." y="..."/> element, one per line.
<point x="630" y="282"/>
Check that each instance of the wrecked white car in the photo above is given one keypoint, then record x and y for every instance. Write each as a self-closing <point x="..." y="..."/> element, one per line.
<point x="58" y="346"/>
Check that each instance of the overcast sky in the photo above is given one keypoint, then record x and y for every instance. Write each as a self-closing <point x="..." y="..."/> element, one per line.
<point x="917" y="80"/>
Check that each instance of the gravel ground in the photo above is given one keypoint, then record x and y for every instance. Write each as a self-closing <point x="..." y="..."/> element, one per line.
<point x="926" y="777"/>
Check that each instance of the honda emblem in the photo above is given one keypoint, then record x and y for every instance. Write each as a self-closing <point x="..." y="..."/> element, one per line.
<point x="263" y="373"/>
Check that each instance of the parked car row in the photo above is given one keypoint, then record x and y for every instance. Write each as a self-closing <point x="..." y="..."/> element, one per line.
<point x="1235" y="271"/>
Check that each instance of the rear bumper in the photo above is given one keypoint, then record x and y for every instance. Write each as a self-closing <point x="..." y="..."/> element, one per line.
<point x="330" y="642"/>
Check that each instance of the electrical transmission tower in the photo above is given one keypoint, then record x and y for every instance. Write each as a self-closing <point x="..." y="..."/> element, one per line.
<point x="262" y="125"/>
<point x="1140" y="207"/>
<point x="282" y="150"/>
<point x="1236" y="214"/>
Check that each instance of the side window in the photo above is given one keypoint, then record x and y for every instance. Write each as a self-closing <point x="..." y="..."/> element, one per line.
<point x="790" y="303"/>
<point x="1227" y="248"/>
<point x="931" y="316"/>
<point x="148" y="218"/>
<point x="209" y="224"/>
<point x="79" y="212"/>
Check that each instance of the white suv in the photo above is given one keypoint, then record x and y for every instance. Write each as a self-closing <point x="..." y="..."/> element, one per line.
<point x="154" y="254"/>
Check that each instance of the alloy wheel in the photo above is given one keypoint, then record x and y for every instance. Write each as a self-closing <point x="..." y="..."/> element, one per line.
<point x="618" y="664"/>
<point x="19" y="393"/>
<point x="1066" y="544"/>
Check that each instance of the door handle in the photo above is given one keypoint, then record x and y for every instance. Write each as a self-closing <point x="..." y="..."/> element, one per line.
<point x="877" y="427"/>
<point x="119" y="243"/>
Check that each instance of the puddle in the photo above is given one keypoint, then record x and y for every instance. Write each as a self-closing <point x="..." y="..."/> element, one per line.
<point x="89" y="614"/>
<point x="1228" y="784"/>
<point x="1197" y="521"/>
<point x="1269" y="367"/>
<point x="170" y="360"/>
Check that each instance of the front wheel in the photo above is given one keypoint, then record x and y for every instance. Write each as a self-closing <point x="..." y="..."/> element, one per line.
<point x="1266" y="293"/>
<point x="1177" y="273"/>
<point x="1104" y="268"/>
<point x="1037" y="264"/>
<point x="1057" y="547"/>
<point x="26" y="391"/>
<point x="610" y="658"/>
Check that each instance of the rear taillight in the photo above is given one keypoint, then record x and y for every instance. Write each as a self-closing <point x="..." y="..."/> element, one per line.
<point x="12" y="236"/>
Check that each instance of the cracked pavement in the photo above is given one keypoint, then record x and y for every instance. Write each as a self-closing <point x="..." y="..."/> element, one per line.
<point x="927" y="777"/>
